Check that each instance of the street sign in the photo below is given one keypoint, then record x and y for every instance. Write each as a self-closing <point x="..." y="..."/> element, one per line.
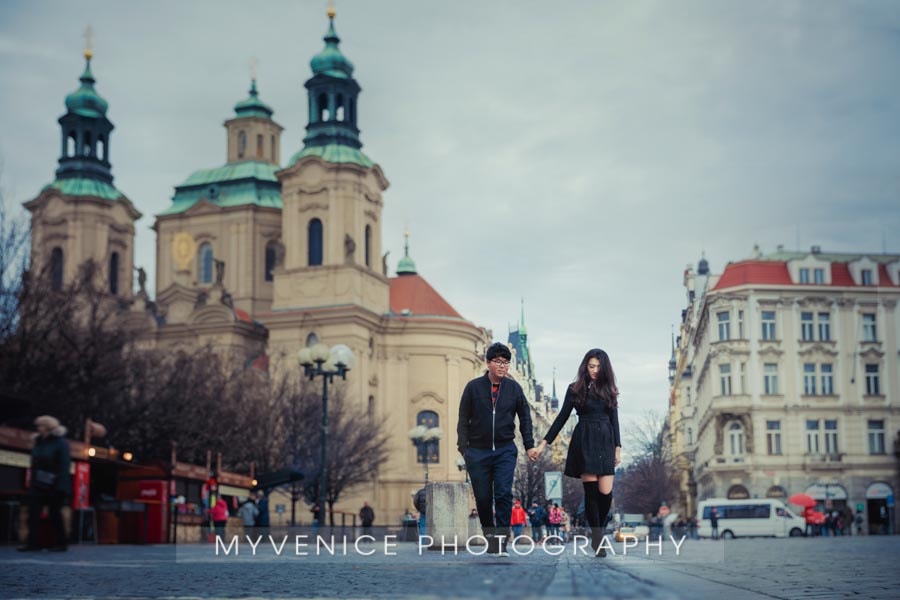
<point x="553" y="485"/>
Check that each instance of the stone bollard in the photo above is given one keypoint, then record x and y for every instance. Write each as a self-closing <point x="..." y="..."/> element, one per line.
<point x="447" y="514"/>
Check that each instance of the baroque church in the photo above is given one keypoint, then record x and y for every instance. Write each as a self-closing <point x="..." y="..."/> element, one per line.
<point x="261" y="257"/>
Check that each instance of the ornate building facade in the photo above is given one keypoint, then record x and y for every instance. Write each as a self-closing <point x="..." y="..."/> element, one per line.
<point x="785" y="379"/>
<point x="260" y="258"/>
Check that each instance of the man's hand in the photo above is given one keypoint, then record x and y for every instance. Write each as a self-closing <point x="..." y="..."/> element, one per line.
<point x="535" y="452"/>
<point x="618" y="455"/>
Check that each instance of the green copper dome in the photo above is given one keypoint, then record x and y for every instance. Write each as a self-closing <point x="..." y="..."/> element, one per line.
<point x="253" y="106"/>
<point x="406" y="266"/>
<point x="85" y="101"/>
<point x="330" y="61"/>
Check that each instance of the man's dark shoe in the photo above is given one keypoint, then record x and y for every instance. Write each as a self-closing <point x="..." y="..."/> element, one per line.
<point x="29" y="548"/>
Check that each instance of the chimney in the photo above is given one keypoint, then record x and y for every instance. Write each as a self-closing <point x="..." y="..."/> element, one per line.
<point x="816" y="249"/>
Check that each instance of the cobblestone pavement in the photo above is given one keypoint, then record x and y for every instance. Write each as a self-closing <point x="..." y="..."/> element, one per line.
<point x="816" y="568"/>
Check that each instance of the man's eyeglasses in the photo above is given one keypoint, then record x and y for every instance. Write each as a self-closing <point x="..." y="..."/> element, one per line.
<point x="501" y="363"/>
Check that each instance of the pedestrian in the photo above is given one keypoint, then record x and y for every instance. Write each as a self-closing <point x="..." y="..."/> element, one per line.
<point x="536" y="516"/>
<point x="421" y="506"/>
<point x="596" y="445"/>
<point x="367" y="516"/>
<point x="248" y="512"/>
<point x="219" y="515"/>
<point x="859" y="523"/>
<point x="316" y="511"/>
<point x="714" y="522"/>
<point x="486" y="434"/>
<point x="517" y="518"/>
<point x="262" y="520"/>
<point x="50" y="484"/>
<point x="555" y="520"/>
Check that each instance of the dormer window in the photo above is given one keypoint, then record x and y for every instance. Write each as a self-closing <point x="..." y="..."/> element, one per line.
<point x="804" y="275"/>
<point x="819" y="276"/>
<point x="866" y="276"/>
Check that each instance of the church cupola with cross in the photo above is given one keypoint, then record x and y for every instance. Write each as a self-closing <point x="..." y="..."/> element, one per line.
<point x="252" y="134"/>
<point x="85" y="131"/>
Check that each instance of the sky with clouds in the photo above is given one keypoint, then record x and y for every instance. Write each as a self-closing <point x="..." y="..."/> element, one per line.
<point x="576" y="154"/>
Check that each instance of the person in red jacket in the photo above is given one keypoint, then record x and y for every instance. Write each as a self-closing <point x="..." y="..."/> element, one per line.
<point x="219" y="515"/>
<point x="517" y="518"/>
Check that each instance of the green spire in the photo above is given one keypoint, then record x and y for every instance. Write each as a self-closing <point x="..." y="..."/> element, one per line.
<point x="522" y="329"/>
<point x="85" y="101"/>
<point x="330" y="61"/>
<point x="253" y="106"/>
<point x="406" y="266"/>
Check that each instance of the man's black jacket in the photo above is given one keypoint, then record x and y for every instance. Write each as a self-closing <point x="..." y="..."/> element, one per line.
<point x="480" y="427"/>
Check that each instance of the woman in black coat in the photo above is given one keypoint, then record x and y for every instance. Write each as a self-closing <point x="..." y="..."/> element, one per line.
<point x="51" y="484"/>
<point x="596" y="446"/>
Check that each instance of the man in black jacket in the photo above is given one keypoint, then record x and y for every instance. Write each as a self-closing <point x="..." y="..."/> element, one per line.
<point x="486" y="438"/>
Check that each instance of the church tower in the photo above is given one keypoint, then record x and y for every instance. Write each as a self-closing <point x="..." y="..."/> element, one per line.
<point x="332" y="200"/>
<point x="81" y="216"/>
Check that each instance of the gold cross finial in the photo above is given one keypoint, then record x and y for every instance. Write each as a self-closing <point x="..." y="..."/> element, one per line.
<point x="87" y="48"/>
<point x="253" y="64"/>
<point x="331" y="11"/>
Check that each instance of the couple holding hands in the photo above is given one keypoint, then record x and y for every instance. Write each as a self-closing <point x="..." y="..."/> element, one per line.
<point x="486" y="434"/>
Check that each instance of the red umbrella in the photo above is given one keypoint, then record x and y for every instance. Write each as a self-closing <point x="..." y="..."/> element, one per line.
<point x="803" y="500"/>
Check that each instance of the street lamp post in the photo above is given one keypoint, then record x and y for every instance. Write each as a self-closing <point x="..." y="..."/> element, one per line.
<point x="322" y="361"/>
<point x="422" y="435"/>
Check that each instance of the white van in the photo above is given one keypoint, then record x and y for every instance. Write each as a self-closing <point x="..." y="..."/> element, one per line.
<point x="764" y="517"/>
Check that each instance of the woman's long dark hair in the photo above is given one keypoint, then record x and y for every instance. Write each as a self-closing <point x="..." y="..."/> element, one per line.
<point x="605" y="386"/>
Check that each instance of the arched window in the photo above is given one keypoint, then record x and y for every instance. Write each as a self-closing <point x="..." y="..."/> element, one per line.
<point x="114" y="273"/>
<point x="736" y="439"/>
<point x="259" y="145"/>
<point x="101" y="147"/>
<point x="242" y="144"/>
<point x="273" y="157"/>
<point x="311" y="340"/>
<point x="88" y="147"/>
<point x="429" y="451"/>
<point x="737" y="492"/>
<point x="322" y="105"/>
<point x="70" y="144"/>
<point x="205" y="263"/>
<point x="368" y="245"/>
<point x="339" y="107"/>
<point x="352" y="116"/>
<point x="314" y="250"/>
<point x="56" y="269"/>
<point x="271" y="255"/>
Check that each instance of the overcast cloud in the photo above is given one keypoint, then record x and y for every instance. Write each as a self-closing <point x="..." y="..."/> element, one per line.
<point x="578" y="154"/>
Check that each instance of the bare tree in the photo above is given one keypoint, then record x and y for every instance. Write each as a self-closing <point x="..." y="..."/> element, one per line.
<point x="651" y="478"/>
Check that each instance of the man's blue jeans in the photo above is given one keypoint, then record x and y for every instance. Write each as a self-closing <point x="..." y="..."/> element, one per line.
<point x="491" y="473"/>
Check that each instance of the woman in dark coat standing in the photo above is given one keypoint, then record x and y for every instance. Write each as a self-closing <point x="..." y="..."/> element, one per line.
<point x="596" y="446"/>
<point x="50" y="484"/>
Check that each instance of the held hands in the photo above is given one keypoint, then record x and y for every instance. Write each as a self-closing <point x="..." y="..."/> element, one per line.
<point x="535" y="452"/>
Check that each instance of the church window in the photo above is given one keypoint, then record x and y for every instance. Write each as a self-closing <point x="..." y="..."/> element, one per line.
<point x="273" y="157"/>
<point x="339" y="107"/>
<point x="271" y="254"/>
<point x="322" y="105"/>
<point x="242" y="144"/>
<point x="314" y="242"/>
<point x="259" y="145"/>
<point x="368" y="245"/>
<point x="114" y="273"/>
<point x="430" y="451"/>
<point x="352" y="110"/>
<point x="87" y="148"/>
<point x="56" y="269"/>
<point x="101" y="148"/>
<point x="70" y="144"/>
<point x="205" y="263"/>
